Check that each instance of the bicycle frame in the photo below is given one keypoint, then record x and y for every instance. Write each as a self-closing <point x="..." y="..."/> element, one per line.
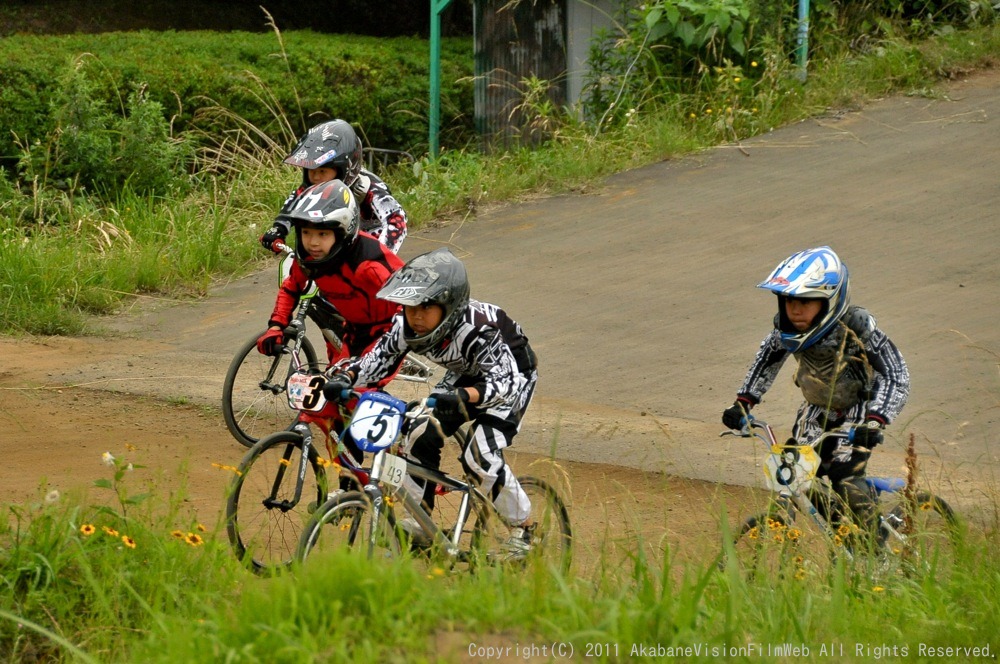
<point x="790" y="472"/>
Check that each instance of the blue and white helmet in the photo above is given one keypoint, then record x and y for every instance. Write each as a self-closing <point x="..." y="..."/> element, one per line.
<point x="816" y="274"/>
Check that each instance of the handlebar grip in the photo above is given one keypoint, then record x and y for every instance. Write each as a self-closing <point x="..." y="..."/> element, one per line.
<point x="281" y="248"/>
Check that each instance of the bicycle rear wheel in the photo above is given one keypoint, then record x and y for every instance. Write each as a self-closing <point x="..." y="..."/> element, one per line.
<point x="923" y="533"/>
<point x="267" y="507"/>
<point x="546" y="540"/>
<point x="253" y="393"/>
<point x="345" y="522"/>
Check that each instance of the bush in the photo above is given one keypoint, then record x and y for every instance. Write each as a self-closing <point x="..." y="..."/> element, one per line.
<point x="298" y="78"/>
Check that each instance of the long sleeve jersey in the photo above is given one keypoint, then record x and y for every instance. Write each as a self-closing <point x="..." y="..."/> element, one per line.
<point x="351" y="287"/>
<point x="486" y="346"/>
<point x="854" y="362"/>
<point x="381" y="214"/>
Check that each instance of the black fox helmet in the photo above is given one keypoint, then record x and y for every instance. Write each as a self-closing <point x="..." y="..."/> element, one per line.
<point x="330" y="206"/>
<point x="436" y="277"/>
<point x="332" y="144"/>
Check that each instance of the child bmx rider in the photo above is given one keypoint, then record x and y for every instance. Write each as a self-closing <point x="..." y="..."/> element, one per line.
<point x="849" y="371"/>
<point x="491" y="375"/>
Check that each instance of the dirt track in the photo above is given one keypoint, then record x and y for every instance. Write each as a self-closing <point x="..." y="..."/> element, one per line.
<point x="639" y="298"/>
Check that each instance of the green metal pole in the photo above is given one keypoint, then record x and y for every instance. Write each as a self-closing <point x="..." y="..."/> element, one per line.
<point x="437" y="6"/>
<point x="802" y="52"/>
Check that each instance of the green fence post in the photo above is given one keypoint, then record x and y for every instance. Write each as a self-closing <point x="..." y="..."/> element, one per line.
<point x="437" y="6"/>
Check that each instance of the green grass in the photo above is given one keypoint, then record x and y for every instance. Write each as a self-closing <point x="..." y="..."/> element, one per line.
<point x="75" y="589"/>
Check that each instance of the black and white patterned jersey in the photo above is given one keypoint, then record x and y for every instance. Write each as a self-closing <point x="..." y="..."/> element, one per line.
<point x="382" y="216"/>
<point x="486" y="346"/>
<point x="854" y="362"/>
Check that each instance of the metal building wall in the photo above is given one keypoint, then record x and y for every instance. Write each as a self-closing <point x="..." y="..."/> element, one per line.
<point x="515" y="40"/>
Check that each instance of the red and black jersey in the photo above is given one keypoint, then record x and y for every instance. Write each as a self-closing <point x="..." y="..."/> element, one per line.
<point x="350" y="286"/>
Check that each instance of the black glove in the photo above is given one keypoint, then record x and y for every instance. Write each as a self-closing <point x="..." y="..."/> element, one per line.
<point x="452" y="407"/>
<point x="276" y="233"/>
<point x="868" y="434"/>
<point x="269" y="341"/>
<point x="336" y="386"/>
<point x="734" y="416"/>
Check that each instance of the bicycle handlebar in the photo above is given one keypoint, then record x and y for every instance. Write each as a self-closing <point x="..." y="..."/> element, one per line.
<point x="768" y="435"/>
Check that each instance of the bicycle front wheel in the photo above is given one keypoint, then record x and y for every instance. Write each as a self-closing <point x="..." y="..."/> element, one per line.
<point x="269" y="503"/>
<point x="767" y="545"/>
<point x="254" y="403"/>
<point x="346" y="521"/>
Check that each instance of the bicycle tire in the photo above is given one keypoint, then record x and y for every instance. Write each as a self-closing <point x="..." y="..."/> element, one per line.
<point x="250" y="409"/>
<point x="929" y="526"/>
<point x="551" y="539"/>
<point x="345" y="522"/>
<point x="265" y="537"/>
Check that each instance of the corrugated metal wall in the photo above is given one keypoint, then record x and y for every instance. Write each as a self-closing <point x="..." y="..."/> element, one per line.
<point x="515" y="40"/>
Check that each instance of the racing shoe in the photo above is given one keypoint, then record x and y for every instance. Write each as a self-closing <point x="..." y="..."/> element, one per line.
<point x="419" y="541"/>
<point x="519" y="544"/>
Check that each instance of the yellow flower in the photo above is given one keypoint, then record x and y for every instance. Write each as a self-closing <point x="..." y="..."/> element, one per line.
<point x="753" y="63"/>
<point x="753" y="533"/>
<point x="231" y="469"/>
<point x="437" y="571"/>
<point x="878" y="589"/>
<point x="177" y="534"/>
<point x="201" y="528"/>
<point x="736" y="79"/>
<point x="111" y="531"/>
<point x="926" y="506"/>
<point x="794" y="534"/>
<point x="693" y="115"/>
<point x="838" y="541"/>
<point x="844" y="530"/>
<point x="128" y="541"/>
<point x="323" y="461"/>
<point x="708" y="111"/>
<point x="194" y="539"/>
<point x="129" y="447"/>
<point x="800" y="573"/>
<point x="87" y="529"/>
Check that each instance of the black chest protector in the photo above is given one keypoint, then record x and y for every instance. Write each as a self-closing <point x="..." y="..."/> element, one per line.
<point x="834" y="373"/>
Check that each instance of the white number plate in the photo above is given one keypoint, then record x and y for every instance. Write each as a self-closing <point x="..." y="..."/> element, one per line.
<point x="305" y="392"/>
<point x="790" y="468"/>
<point x="393" y="469"/>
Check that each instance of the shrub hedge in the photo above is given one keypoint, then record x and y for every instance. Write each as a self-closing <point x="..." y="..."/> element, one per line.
<point x="379" y="85"/>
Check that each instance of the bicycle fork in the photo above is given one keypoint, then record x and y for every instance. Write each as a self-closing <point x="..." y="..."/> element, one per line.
<point x="412" y="507"/>
<point x="284" y="505"/>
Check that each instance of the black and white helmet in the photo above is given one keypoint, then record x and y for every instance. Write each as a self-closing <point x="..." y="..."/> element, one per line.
<point x="332" y="144"/>
<point x="328" y="205"/>
<point x="436" y="277"/>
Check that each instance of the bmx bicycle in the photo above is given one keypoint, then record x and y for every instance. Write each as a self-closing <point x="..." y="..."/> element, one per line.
<point x="383" y="519"/>
<point x="915" y="527"/>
